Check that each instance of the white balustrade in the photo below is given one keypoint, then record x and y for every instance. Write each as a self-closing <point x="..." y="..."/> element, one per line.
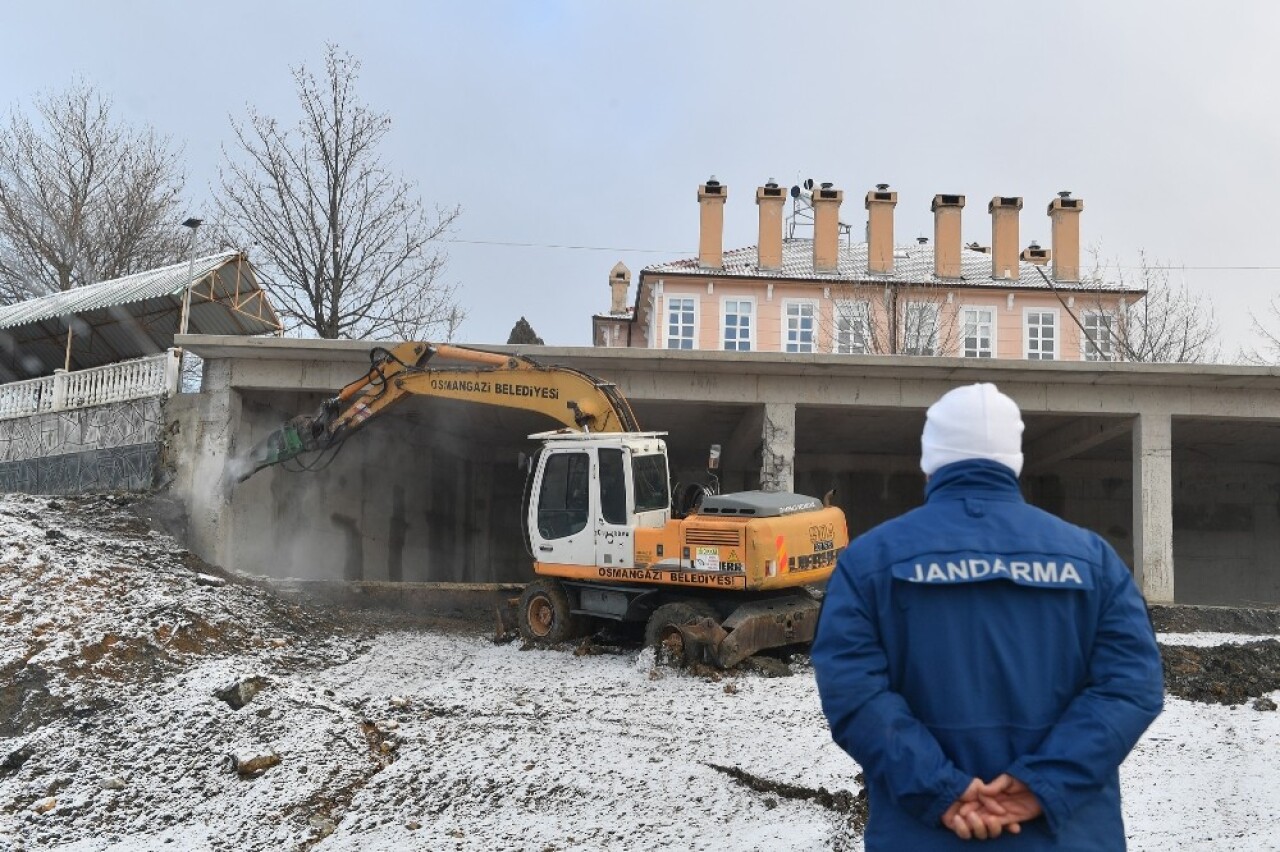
<point x="155" y="375"/>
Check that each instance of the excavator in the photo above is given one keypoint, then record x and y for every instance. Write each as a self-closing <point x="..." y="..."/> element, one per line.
<point x="714" y="578"/>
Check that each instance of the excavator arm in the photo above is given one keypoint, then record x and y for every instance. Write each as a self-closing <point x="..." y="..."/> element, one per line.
<point x="575" y="399"/>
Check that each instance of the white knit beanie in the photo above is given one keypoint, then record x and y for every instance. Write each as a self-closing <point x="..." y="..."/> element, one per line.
<point x="972" y="422"/>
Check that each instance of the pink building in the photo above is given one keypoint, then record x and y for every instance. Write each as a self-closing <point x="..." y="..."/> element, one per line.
<point x="828" y="294"/>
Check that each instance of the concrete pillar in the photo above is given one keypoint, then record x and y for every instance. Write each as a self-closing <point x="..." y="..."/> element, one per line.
<point x="59" y="390"/>
<point x="777" y="471"/>
<point x="1153" y="506"/>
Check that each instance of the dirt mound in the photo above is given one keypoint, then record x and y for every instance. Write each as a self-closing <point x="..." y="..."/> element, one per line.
<point x="95" y="602"/>
<point x="1215" y="619"/>
<point x="1225" y="674"/>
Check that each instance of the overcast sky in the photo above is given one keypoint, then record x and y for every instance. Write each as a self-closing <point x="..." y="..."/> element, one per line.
<point x="592" y="123"/>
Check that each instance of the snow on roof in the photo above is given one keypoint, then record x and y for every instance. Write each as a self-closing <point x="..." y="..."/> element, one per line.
<point x="912" y="264"/>
<point x="133" y="316"/>
<point x="165" y="281"/>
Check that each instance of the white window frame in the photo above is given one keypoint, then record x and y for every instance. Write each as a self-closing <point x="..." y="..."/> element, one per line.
<point x="1026" y="334"/>
<point x="751" y="330"/>
<point x="994" y="338"/>
<point x="855" y="311"/>
<point x="1086" y="344"/>
<point x="934" y="342"/>
<point x="666" y="321"/>
<point x="785" y="337"/>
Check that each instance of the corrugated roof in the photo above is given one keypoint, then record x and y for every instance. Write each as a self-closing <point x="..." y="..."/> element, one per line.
<point x="132" y="316"/>
<point x="912" y="264"/>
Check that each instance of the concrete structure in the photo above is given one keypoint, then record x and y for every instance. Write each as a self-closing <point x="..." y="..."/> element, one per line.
<point x="1178" y="467"/>
<point x="827" y="294"/>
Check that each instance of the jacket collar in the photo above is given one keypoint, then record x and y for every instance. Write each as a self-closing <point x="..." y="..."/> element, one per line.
<point x="973" y="478"/>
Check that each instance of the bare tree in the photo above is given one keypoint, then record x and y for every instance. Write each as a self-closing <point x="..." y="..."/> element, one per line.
<point x="83" y="196"/>
<point x="1265" y="328"/>
<point x="1170" y="324"/>
<point x="345" y="246"/>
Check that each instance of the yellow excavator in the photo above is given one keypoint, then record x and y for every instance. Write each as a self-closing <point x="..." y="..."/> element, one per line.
<point x="714" y="579"/>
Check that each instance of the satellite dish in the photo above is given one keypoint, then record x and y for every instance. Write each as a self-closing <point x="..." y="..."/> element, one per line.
<point x="808" y="184"/>
<point x="795" y="192"/>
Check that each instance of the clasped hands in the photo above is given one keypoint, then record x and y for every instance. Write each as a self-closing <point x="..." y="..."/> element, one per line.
<point x="985" y="810"/>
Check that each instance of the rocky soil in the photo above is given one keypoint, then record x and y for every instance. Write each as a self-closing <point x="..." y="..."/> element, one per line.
<point x="151" y="701"/>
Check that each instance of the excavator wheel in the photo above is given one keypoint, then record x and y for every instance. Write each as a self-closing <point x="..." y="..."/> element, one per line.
<point x="543" y="614"/>
<point x="662" y="631"/>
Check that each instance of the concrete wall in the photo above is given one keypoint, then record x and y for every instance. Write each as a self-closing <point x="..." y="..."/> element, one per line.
<point x="392" y="505"/>
<point x="105" y="448"/>
<point x="1173" y="465"/>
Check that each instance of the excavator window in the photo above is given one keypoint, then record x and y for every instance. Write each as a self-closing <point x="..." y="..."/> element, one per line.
<point x="564" y="500"/>
<point x="613" y="486"/>
<point x="650" y="473"/>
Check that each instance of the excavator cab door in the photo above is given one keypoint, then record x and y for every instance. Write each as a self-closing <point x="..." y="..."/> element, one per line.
<point x="561" y="528"/>
<point x="614" y="545"/>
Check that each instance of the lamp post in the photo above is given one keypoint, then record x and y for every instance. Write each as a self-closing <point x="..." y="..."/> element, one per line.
<point x="194" y="225"/>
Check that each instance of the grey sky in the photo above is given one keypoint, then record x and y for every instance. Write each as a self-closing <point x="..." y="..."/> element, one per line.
<point x="592" y="123"/>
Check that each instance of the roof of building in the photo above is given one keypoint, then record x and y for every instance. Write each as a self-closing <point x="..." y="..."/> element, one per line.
<point x="912" y="264"/>
<point x="132" y="316"/>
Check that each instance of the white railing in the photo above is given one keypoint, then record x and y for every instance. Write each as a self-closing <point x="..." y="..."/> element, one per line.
<point x="155" y="375"/>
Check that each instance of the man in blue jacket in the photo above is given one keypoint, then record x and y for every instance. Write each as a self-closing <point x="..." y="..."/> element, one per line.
<point x="987" y="664"/>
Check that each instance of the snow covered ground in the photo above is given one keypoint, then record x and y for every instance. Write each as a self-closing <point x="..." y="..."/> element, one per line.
<point x="113" y="654"/>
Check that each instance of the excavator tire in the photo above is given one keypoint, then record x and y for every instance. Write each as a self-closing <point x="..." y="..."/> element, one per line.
<point x="543" y="614"/>
<point x="660" y="631"/>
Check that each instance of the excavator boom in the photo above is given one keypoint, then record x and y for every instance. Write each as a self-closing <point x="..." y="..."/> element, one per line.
<point x="571" y="397"/>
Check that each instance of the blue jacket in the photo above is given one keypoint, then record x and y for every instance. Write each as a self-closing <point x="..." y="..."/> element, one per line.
<point x="977" y="635"/>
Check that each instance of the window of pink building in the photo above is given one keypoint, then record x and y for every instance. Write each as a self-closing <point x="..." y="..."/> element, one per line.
<point x="738" y="324"/>
<point x="799" y="321"/>
<point x="682" y="322"/>
<point x="1041" y="335"/>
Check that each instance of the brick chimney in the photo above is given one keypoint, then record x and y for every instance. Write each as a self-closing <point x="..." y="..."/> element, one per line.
<point x="770" y="199"/>
<point x="619" y="283"/>
<point x="826" y="227"/>
<point x="1064" y="220"/>
<point x="1004" y="212"/>
<point x="880" y="203"/>
<point x="711" y="196"/>
<point x="1034" y="254"/>
<point x="946" y="235"/>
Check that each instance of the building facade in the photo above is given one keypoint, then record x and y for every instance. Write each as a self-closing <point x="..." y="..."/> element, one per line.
<point x="827" y="294"/>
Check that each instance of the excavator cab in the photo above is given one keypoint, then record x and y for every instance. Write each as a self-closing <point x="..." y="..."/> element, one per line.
<point x="587" y="492"/>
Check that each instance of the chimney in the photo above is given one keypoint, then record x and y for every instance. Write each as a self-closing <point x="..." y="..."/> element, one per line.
<point x="619" y="283"/>
<point x="946" y="235"/>
<point x="770" y="199"/>
<point x="1064" y="219"/>
<point x="1004" y="212"/>
<point x="826" y="228"/>
<point x="880" y="204"/>
<point x="1034" y="254"/>
<point x="711" y="196"/>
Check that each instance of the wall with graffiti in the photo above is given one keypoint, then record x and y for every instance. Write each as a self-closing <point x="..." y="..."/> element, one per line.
<point x="106" y="448"/>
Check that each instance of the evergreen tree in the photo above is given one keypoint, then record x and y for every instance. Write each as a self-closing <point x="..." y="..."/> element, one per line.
<point x="522" y="332"/>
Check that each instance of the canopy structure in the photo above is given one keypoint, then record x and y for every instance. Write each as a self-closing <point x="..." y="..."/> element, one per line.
<point x="133" y="316"/>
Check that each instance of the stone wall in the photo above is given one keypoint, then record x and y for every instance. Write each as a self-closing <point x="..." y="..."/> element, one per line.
<point x="114" y="447"/>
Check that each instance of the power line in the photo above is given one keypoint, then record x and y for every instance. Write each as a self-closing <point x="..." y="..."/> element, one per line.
<point x="689" y="252"/>
<point x="560" y="246"/>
